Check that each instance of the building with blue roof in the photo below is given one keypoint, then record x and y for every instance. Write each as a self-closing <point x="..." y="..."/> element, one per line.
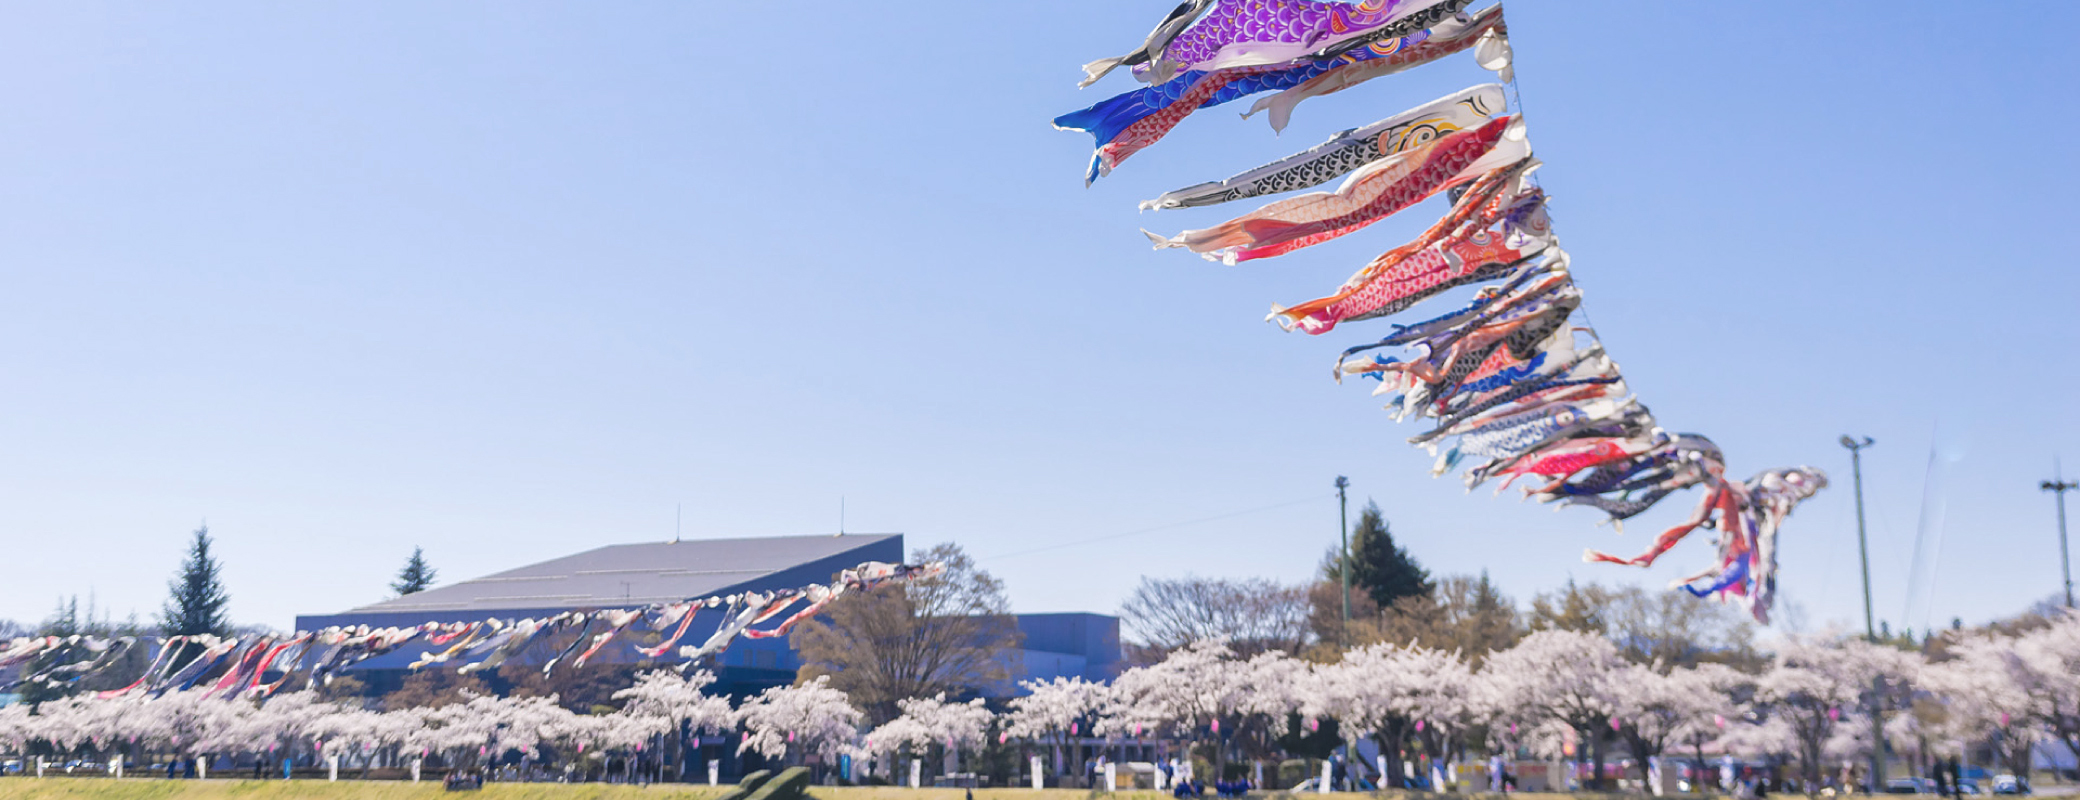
<point x="630" y="575"/>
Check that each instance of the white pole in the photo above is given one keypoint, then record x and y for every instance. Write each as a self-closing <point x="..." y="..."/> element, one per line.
<point x="202" y="768"/>
<point x="1381" y="762"/>
<point x="714" y="772"/>
<point x="1111" y="777"/>
<point x="332" y="768"/>
<point x="1256" y="772"/>
<point x="39" y="766"/>
<point x="416" y="763"/>
<point x="1322" y="784"/>
<point x="916" y="773"/>
<point x="119" y="765"/>
<point x="1039" y="780"/>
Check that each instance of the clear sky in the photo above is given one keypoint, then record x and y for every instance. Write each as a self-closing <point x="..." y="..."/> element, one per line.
<point x="510" y="280"/>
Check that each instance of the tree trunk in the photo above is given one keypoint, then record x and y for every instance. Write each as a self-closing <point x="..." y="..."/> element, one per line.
<point x="1391" y="745"/>
<point x="1596" y="738"/>
<point x="1641" y="752"/>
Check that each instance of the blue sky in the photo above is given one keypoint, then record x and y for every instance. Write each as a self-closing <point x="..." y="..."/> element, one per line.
<point x="509" y="280"/>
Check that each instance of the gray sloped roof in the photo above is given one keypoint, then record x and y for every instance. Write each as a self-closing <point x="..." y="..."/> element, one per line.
<point x="630" y="574"/>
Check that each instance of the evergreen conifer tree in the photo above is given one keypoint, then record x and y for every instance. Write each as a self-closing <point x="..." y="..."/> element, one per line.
<point x="417" y="575"/>
<point x="1383" y="568"/>
<point x="198" y="603"/>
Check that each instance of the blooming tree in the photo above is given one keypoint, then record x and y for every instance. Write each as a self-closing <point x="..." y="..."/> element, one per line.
<point x="2044" y="666"/>
<point x="682" y="701"/>
<point x="1054" y="710"/>
<point x="1986" y="698"/>
<point x="926" y="722"/>
<point x="1266" y="691"/>
<point x="1656" y="710"/>
<point x="1699" y="706"/>
<point x="1822" y="690"/>
<point x="1557" y="681"/>
<point x="1185" y="691"/>
<point x="668" y="703"/>
<point x="1186" y="695"/>
<point x="1368" y="691"/>
<point x="788" y="721"/>
<point x="1440" y="698"/>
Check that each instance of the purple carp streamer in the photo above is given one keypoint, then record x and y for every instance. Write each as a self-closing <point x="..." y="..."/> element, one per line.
<point x="1151" y="48"/>
<point x="1248" y="33"/>
<point x="1110" y="119"/>
<point x="1514" y="391"/>
<point x="1448" y="38"/>
<point x="227" y="667"/>
<point x="1125" y="124"/>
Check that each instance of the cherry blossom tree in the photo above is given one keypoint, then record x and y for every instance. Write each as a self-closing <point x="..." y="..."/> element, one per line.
<point x="678" y="706"/>
<point x="2044" y="666"/>
<point x="1657" y="709"/>
<point x="1558" y="678"/>
<point x="1052" y="711"/>
<point x="1701" y="705"/>
<point x="284" y="723"/>
<point x="184" y="722"/>
<point x="1441" y="700"/>
<point x="1398" y="695"/>
<point x="928" y="722"/>
<point x="464" y="732"/>
<point x="1985" y="698"/>
<point x="1368" y="691"/>
<point x="16" y="727"/>
<point x="1267" y="691"/>
<point x="1821" y="689"/>
<point x="786" y="722"/>
<point x="353" y="735"/>
<point x="1185" y="694"/>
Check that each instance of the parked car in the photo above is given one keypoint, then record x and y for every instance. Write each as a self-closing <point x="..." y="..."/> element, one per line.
<point x="1910" y="786"/>
<point x="2009" y="784"/>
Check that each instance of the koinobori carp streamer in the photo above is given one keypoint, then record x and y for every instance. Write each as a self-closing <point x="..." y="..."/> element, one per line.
<point x="184" y="662"/>
<point x="1518" y="393"/>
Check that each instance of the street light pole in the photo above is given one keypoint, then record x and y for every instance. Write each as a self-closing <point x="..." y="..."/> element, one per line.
<point x="1343" y="570"/>
<point x="2065" y="560"/>
<point x="1870" y="625"/>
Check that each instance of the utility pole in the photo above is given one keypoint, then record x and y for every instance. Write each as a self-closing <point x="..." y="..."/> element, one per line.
<point x="2060" y="485"/>
<point x="1870" y="625"/>
<point x="1343" y="570"/>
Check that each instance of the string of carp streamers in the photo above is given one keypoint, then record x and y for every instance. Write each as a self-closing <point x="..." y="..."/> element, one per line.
<point x="258" y="666"/>
<point x="1512" y="391"/>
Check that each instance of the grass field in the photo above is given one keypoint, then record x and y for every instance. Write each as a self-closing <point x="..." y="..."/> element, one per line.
<point x="17" y="788"/>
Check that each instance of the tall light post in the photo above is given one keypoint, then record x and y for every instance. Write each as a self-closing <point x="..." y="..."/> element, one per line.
<point x="2060" y="485"/>
<point x="1870" y="624"/>
<point x="1863" y="545"/>
<point x="1343" y="569"/>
